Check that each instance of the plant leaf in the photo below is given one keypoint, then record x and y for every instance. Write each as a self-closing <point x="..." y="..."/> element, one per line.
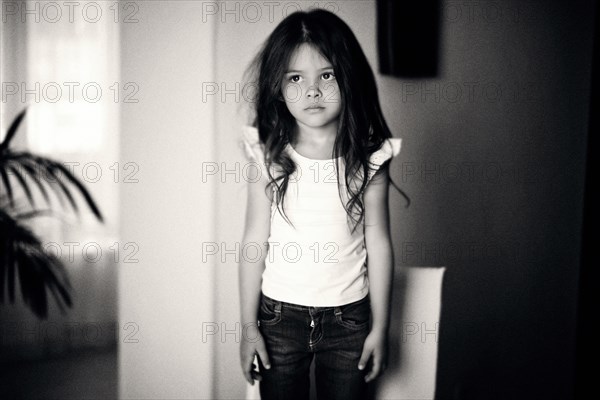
<point x="23" y="160"/>
<point x="6" y="181"/>
<point x="33" y="214"/>
<point x="84" y="192"/>
<point x="38" y="271"/>
<point x="12" y="130"/>
<point x="52" y="166"/>
<point x="23" y="183"/>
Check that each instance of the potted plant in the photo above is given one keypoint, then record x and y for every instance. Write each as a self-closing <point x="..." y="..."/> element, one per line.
<point x="21" y="252"/>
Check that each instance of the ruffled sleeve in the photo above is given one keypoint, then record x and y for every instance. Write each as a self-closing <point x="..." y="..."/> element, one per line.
<point x="389" y="149"/>
<point x="251" y="144"/>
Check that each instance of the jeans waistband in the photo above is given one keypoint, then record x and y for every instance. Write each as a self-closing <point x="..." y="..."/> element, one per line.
<point x="300" y="307"/>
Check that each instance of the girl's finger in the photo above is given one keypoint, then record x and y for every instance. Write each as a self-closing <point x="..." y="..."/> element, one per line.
<point x="248" y="367"/>
<point x="262" y="354"/>
<point x="248" y="377"/>
<point x="373" y="373"/>
<point x="252" y="374"/>
<point x="256" y="375"/>
<point x="376" y="368"/>
<point x="364" y="358"/>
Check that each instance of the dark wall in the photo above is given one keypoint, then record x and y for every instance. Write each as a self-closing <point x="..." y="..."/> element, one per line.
<point x="493" y="160"/>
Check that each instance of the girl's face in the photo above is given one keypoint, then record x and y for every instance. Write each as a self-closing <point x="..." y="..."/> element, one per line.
<point x="310" y="90"/>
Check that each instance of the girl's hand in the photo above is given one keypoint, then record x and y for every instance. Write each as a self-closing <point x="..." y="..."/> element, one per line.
<point x="375" y="347"/>
<point x="249" y="346"/>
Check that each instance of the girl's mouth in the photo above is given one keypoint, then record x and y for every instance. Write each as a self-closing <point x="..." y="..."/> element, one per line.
<point x="314" y="108"/>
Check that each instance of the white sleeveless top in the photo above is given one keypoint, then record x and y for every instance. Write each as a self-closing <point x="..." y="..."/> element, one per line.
<point x="319" y="263"/>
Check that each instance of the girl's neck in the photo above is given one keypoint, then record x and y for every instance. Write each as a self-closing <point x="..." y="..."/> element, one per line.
<point x="316" y="137"/>
<point x="315" y="143"/>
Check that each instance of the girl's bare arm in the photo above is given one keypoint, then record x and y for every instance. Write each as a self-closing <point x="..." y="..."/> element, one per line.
<point x="380" y="266"/>
<point x="379" y="247"/>
<point x="256" y="234"/>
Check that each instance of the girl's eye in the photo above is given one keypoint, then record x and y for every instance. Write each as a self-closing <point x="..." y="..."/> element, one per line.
<point x="328" y="76"/>
<point x="293" y="78"/>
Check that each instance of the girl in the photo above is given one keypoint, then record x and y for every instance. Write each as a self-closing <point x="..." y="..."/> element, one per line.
<point x="318" y="206"/>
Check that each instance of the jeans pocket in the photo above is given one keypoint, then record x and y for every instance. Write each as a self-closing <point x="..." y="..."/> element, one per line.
<point x="269" y="312"/>
<point x="355" y="315"/>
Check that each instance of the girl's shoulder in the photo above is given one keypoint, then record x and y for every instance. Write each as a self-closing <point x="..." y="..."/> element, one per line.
<point x="390" y="148"/>
<point x="250" y="141"/>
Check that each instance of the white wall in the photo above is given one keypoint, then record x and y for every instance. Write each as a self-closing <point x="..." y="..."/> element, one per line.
<point x="168" y="295"/>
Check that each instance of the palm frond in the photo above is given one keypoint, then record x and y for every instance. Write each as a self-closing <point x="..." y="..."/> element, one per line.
<point x="33" y="214"/>
<point x="12" y="130"/>
<point x="59" y="175"/>
<point x="37" y="270"/>
<point x="23" y="183"/>
<point x="52" y="166"/>
<point x="6" y="182"/>
<point x="30" y="167"/>
<point x="22" y="255"/>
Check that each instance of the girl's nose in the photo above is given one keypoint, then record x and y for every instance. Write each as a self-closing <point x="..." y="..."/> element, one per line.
<point x="314" y="91"/>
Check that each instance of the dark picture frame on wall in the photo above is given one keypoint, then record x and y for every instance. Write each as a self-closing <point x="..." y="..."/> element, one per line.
<point x="408" y="38"/>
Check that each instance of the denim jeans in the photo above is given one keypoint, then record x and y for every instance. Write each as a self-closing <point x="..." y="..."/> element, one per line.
<point x="294" y="334"/>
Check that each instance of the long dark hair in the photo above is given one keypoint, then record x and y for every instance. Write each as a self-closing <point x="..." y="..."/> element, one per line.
<point x="362" y="128"/>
